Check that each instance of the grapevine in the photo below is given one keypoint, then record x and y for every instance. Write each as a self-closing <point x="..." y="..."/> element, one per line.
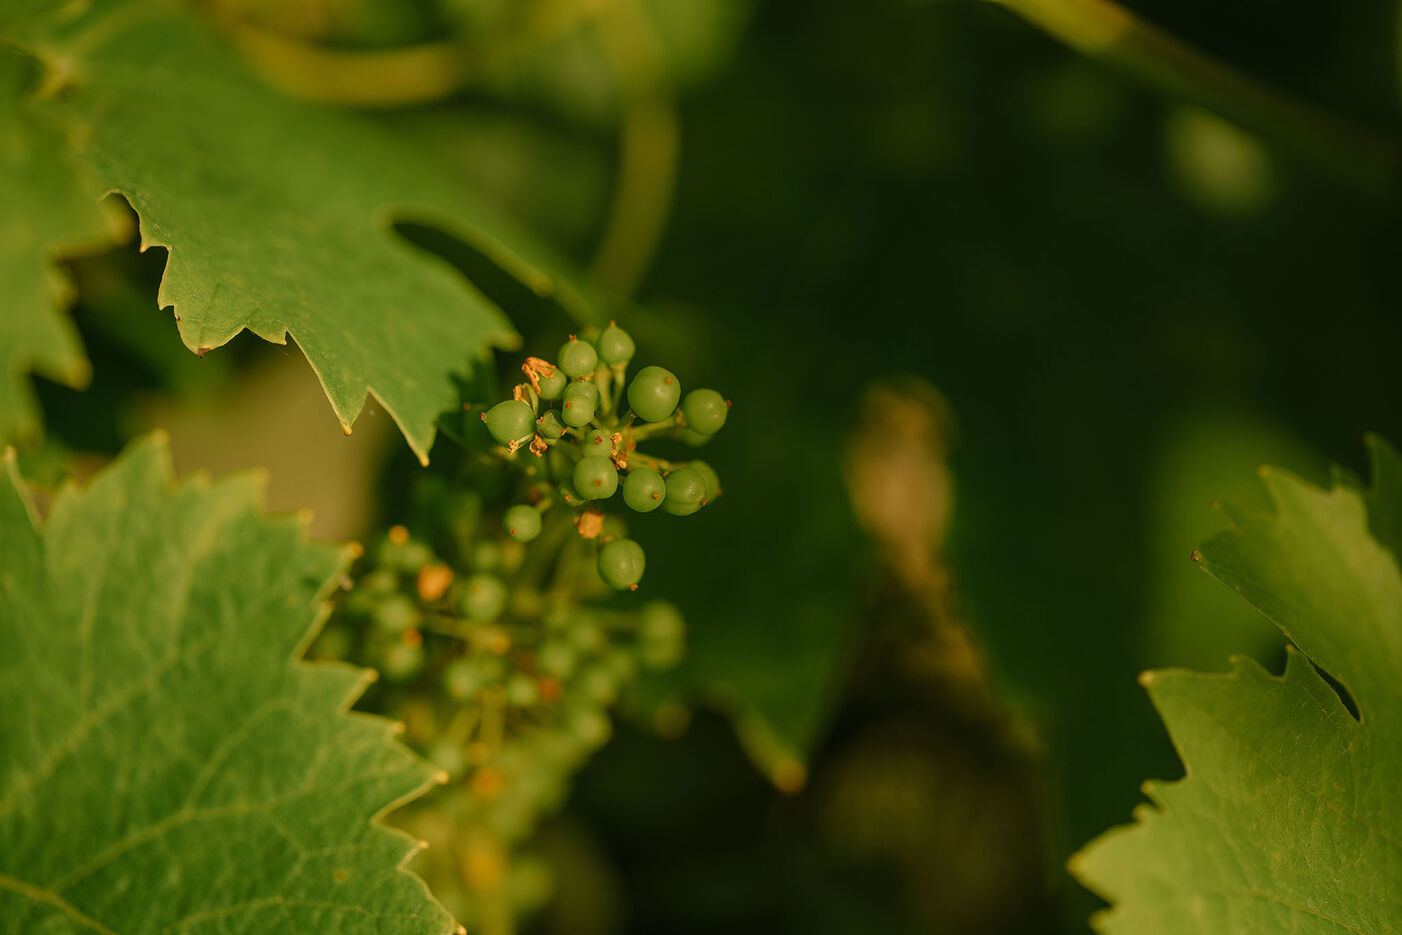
<point x="491" y="621"/>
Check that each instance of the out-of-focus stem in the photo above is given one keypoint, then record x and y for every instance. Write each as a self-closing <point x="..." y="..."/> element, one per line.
<point x="1104" y="30"/>
<point x="650" y="139"/>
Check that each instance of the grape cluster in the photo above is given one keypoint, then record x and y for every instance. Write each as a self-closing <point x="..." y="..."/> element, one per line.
<point x="501" y="646"/>
<point x="572" y="414"/>
<point x="502" y="661"/>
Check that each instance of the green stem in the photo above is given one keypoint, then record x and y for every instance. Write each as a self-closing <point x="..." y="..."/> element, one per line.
<point x="1104" y="30"/>
<point x="651" y="429"/>
<point x="656" y="463"/>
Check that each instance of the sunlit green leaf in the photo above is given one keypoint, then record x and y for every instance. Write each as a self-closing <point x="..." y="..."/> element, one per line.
<point x="164" y="764"/>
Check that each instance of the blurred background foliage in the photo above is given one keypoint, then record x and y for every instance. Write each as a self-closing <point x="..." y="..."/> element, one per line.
<point x="999" y="320"/>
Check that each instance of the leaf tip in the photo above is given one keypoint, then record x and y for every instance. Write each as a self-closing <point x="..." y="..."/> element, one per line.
<point x="1148" y="677"/>
<point x="1195" y="556"/>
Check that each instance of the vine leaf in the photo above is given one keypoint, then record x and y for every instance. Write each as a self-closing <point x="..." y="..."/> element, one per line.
<point x="1289" y="818"/>
<point x="164" y="764"/>
<point x="46" y="207"/>
<point x="278" y="214"/>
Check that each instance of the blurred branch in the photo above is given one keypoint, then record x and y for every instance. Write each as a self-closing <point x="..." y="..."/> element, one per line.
<point x="649" y="143"/>
<point x="363" y="77"/>
<point x="1106" y="31"/>
<point x="394" y="77"/>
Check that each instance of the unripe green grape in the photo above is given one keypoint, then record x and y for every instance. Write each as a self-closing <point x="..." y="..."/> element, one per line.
<point x="595" y="478"/>
<point x="621" y="564"/>
<point x="661" y="634"/>
<point x="522" y="522"/>
<point x="597" y="442"/>
<point x="447" y="756"/>
<point x="705" y="411"/>
<point x="598" y="684"/>
<point x="552" y="386"/>
<point x="694" y="438"/>
<point x="590" y="726"/>
<point x="510" y="421"/>
<point x="550" y="425"/>
<point x="483" y="597"/>
<point x="616" y="345"/>
<point x="614" y="527"/>
<point x="380" y="581"/>
<point x="568" y="494"/>
<point x="589" y="637"/>
<point x="578" y="358"/>
<point x="620" y="664"/>
<point x="653" y="394"/>
<point x="396" y="614"/>
<point x="686" y="490"/>
<point x="521" y="691"/>
<point x="405" y="556"/>
<point x="558" y="658"/>
<point x="709" y="476"/>
<point x="465" y="678"/>
<point x="401" y="662"/>
<point x="486" y="556"/>
<point x="660" y="620"/>
<point x="462" y="679"/>
<point x="643" y="489"/>
<point x="581" y="399"/>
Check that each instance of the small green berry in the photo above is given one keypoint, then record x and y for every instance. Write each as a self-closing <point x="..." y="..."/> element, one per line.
<point x="597" y="442"/>
<point x="558" y="658"/>
<point x="401" y="661"/>
<point x="705" y="411"/>
<point x="661" y="635"/>
<point x="616" y="345"/>
<point x="578" y="358"/>
<point x="396" y="614"/>
<point x="568" y="494"/>
<point x="644" y="489"/>
<point x="653" y="394"/>
<point x="447" y="756"/>
<point x="581" y="399"/>
<point x="486" y="556"/>
<point x="595" y="477"/>
<point x="483" y="597"/>
<point x="522" y="522"/>
<point x="552" y="386"/>
<point x="521" y="691"/>
<point x="590" y="727"/>
<point x="694" y="438"/>
<point x="621" y="564"/>
<point x="709" y="475"/>
<point x="686" y="492"/>
<point x="549" y="425"/>
<point x="510" y="421"/>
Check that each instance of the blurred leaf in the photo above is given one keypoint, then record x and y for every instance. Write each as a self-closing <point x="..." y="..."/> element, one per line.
<point x="765" y="574"/>
<point x="47" y="208"/>
<point x="1288" y="819"/>
<point x="165" y="765"/>
<point x="277" y="214"/>
<point x="1203" y="457"/>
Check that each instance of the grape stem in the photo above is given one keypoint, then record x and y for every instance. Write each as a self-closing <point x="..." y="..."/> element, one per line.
<point x="653" y="428"/>
<point x="1354" y="155"/>
<point x="656" y="463"/>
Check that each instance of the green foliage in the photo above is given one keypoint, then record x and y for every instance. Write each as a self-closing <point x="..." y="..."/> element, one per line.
<point x="278" y="214"/>
<point x="165" y="763"/>
<point x="1288" y="818"/>
<point x="47" y="207"/>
